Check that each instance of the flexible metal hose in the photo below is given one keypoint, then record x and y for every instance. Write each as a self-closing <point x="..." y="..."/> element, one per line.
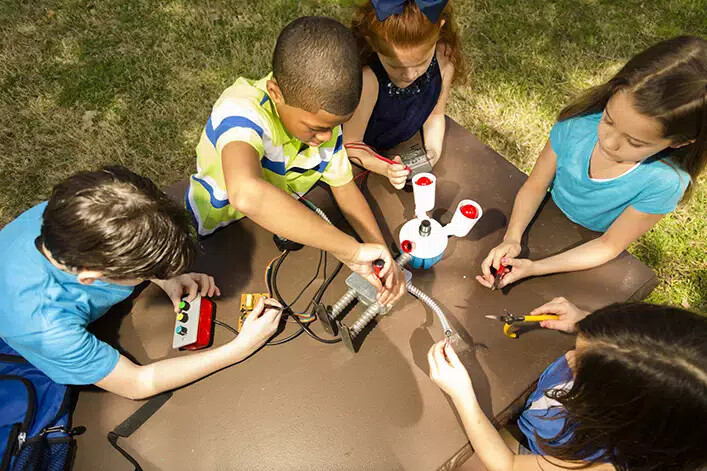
<point x="341" y="304"/>
<point x="321" y="214"/>
<point x="367" y="316"/>
<point x="415" y="291"/>
<point x="403" y="259"/>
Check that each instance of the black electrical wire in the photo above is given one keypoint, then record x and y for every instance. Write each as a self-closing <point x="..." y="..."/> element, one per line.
<point x="327" y="281"/>
<point x="276" y="267"/>
<point x="320" y="292"/>
<point x="226" y="326"/>
<point x="287" y="339"/>
<point x="275" y="342"/>
<point x="288" y="307"/>
<point x="309" y="332"/>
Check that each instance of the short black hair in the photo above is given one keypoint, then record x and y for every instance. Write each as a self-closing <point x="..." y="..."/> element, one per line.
<point x="316" y="65"/>
<point x="117" y="222"/>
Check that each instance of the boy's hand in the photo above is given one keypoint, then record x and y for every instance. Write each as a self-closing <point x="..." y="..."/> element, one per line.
<point x="397" y="173"/>
<point x="394" y="286"/>
<point x="448" y="372"/>
<point x="508" y="248"/>
<point x="522" y="268"/>
<point x="361" y="262"/>
<point x="259" y="326"/>
<point x="189" y="283"/>
<point x="569" y="315"/>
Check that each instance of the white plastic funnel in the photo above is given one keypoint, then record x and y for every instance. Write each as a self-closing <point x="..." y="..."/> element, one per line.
<point x="423" y="189"/>
<point x="466" y="215"/>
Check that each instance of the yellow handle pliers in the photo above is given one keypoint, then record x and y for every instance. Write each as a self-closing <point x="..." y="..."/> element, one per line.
<point x="509" y="319"/>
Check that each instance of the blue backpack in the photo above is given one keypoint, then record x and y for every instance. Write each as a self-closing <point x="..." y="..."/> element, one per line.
<point x="35" y="417"/>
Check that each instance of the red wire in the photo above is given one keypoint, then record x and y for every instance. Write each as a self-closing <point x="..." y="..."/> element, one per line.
<point x="366" y="148"/>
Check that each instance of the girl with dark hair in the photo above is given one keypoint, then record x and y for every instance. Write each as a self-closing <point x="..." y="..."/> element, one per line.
<point x="620" y="158"/>
<point x="631" y="396"/>
<point x="411" y="55"/>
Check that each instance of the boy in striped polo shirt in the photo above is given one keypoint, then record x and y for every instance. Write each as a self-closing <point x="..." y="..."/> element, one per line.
<point x="268" y="140"/>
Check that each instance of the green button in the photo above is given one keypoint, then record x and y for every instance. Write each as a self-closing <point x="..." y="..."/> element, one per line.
<point x="182" y="304"/>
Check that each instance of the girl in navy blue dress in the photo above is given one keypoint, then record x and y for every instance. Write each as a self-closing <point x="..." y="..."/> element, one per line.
<point x="411" y="55"/>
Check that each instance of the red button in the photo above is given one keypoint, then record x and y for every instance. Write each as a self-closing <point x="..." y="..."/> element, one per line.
<point x="423" y="181"/>
<point x="470" y="211"/>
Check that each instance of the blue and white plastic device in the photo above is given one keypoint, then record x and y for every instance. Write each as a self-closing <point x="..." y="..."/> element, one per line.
<point x="423" y="237"/>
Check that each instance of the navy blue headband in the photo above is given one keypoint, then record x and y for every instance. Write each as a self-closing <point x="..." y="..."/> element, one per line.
<point x="432" y="9"/>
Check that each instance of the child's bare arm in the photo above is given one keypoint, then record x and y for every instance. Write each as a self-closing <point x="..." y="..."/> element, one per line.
<point x="355" y="128"/>
<point x="434" y="127"/>
<point x="628" y="227"/>
<point x="274" y="209"/>
<point x="532" y="193"/>
<point x="526" y="204"/>
<point x="357" y="212"/>
<point x="138" y="382"/>
<point x="489" y="445"/>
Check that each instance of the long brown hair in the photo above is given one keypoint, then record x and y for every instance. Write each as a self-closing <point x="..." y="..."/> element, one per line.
<point x="668" y="82"/>
<point x="639" y="397"/>
<point x="408" y="29"/>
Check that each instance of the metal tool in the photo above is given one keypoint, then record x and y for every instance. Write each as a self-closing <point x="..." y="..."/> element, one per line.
<point x="498" y="276"/>
<point x="509" y="319"/>
<point x="416" y="160"/>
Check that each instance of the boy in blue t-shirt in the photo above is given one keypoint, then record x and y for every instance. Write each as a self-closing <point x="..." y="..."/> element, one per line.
<point x="68" y="260"/>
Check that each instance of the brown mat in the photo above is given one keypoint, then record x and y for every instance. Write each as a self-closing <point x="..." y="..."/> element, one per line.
<point x="310" y="406"/>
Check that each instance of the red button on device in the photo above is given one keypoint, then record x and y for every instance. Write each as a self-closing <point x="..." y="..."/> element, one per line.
<point x="470" y="211"/>
<point x="423" y="181"/>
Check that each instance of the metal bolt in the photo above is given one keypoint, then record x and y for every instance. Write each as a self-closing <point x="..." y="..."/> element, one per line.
<point x="425" y="228"/>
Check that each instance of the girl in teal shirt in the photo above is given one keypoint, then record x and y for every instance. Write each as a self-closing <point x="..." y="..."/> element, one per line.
<point x="619" y="158"/>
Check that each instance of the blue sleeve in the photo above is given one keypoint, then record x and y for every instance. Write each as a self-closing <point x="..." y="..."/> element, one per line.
<point x="68" y="354"/>
<point x="663" y="196"/>
<point x="558" y="137"/>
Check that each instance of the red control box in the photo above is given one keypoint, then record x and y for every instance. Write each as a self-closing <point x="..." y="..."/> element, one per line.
<point x="195" y="324"/>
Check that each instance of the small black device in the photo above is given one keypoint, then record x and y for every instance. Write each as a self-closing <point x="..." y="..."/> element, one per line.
<point x="283" y="244"/>
<point x="416" y="158"/>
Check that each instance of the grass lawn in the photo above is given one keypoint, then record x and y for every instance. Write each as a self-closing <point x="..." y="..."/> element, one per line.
<point x="87" y="83"/>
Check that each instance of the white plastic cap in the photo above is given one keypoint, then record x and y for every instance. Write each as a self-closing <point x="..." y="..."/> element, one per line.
<point x="423" y="188"/>
<point x="466" y="215"/>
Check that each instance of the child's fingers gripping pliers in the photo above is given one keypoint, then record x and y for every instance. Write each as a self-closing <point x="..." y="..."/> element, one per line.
<point x="509" y="319"/>
<point x="498" y="274"/>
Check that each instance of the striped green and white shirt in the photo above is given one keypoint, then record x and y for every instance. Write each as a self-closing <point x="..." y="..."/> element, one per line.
<point x="244" y="112"/>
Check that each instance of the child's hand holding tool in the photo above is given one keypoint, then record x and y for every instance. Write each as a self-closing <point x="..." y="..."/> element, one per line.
<point x="507" y="249"/>
<point x="568" y="312"/>
<point x="259" y="326"/>
<point x="398" y="173"/>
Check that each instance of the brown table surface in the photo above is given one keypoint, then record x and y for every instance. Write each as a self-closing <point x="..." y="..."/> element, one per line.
<point x="307" y="405"/>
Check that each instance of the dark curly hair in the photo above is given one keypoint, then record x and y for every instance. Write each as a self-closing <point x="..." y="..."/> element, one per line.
<point x="316" y="66"/>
